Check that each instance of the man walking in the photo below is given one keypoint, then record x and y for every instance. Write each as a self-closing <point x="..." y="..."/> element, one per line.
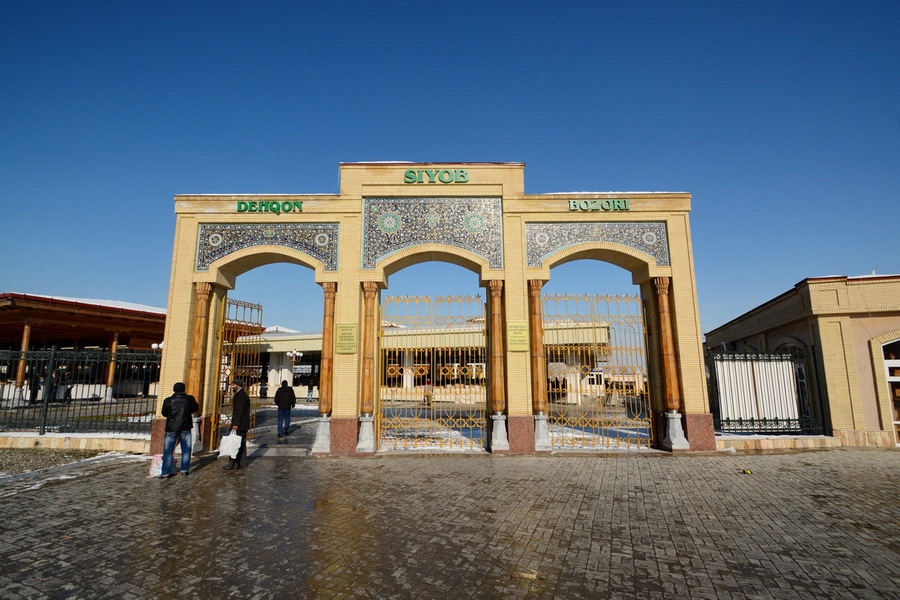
<point x="285" y="400"/>
<point x="178" y="410"/>
<point x="240" y="421"/>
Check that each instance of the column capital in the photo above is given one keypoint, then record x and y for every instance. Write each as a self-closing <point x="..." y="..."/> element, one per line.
<point x="662" y="285"/>
<point x="535" y="286"/>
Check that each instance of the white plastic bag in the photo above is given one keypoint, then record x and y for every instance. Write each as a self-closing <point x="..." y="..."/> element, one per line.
<point x="156" y="466"/>
<point x="230" y="445"/>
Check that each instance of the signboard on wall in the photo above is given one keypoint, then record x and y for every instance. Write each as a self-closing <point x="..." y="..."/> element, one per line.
<point x="345" y="338"/>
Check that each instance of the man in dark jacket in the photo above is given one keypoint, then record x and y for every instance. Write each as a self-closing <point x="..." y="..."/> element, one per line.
<point x="285" y="400"/>
<point x="178" y="410"/>
<point x="240" y="421"/>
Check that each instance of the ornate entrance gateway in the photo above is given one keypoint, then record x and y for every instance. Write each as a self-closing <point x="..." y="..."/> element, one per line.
<point x="432" y="390"/>
<point x="597" y="384"/>
<point x="415" y="373"/>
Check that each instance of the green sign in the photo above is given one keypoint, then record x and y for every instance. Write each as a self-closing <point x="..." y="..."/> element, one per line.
<point x="269" y="206"/>
<point x="598" y="204"/>
<point x="436" y="176"/>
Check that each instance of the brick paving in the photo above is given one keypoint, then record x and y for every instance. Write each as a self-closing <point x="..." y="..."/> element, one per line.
<point x="820" y="524"/>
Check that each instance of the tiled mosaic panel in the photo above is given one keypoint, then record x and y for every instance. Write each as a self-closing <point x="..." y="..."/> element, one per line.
<point x="318" y="240"/>
<point x="392" y="224"/>
<point x="543" y="239"/>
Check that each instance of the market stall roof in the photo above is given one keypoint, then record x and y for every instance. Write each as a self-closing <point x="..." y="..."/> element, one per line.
<point x="78" y="322"/>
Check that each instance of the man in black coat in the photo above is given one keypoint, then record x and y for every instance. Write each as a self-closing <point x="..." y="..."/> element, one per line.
<point x="178" y="410"/>
<point x="285" y="400"/>
<point x="240" y="421"/>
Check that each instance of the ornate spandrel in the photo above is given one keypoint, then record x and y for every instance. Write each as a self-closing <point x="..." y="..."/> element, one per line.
<point x="317" y="240"/>
<point x="472" y="224"/>
<point x="544" y="239"/>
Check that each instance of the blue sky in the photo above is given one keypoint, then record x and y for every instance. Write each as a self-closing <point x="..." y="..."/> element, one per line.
<point x="781" y="118"/>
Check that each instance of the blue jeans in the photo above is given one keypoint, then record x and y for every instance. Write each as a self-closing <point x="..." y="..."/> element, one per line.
<point x="169" y="449"/>
<point x="284" y="420"/>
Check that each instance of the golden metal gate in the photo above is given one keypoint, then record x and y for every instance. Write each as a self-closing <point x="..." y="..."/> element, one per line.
<point x="432" y="391"/>
<point x="240" y="338"/>
<point x="597" y="384"/>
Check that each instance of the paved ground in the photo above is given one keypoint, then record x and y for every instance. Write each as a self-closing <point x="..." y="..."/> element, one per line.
<point x="820" y="524"/>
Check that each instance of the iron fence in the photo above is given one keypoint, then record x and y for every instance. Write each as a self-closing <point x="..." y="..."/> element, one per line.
<point x="68" y="391"/>
<point x="765" y="392"/>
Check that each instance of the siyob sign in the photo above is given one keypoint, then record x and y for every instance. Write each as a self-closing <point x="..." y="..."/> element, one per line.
<point x="436" y="176"/>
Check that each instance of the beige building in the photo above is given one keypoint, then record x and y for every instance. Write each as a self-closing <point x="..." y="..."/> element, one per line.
<point x="853" y="325"/>
<point x="494" y="374"/>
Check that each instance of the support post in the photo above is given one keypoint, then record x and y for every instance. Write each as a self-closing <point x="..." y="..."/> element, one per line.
<point x="538" y="368"/>
<point x="322" y="445"/>
<point x="19" y="397"/>
<point x="674" y="439"/>
<point x="198" y="342"/>
<point x="499" y="438"/>
<point x="111" y="374"/>
<point x="366" y="442"/>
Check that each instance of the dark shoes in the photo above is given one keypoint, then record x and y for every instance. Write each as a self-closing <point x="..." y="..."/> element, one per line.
<point x="232" y="466"/>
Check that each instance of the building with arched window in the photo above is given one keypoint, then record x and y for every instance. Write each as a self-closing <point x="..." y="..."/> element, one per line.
<point x="852" y="324"/>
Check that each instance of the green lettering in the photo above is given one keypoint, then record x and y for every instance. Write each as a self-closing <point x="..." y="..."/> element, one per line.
<point x="409" y="176"/>
<point x="431" y="175"/>
<point x="606" y="204"/>
<point x="242" y="206"/>
<point x="420" y="176"/>
<point x="585" y="205"/>
<point x="275" y="207"/>
<point x="626" y="204"/>
<point x="298" y="205"/>
<point x="462" y="176"/>
<point x="448" y="174"/>
<point x="595" y="205"/>
<point x="617" y="205"/>
<point x="252" y="207"/>
<point x="573" y="204"/>
<point x="286" y="207"/>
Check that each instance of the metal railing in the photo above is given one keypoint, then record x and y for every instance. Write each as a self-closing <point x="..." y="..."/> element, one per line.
<point x="82" y="391"/>
<point x="765" y="392"/>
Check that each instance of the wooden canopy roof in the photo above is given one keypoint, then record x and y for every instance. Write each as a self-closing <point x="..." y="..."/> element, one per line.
<point x="69" y="322"/>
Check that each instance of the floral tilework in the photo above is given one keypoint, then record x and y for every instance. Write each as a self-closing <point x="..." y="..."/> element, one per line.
<point x="318" y="240"/>
<point x="392" y="224"/>
<point x="543" y="239"/>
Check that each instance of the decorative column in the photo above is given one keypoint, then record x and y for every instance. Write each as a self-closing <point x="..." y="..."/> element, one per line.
<point x="366" y="442"/>
<point x="198" y="361"/>
<point x="322" y="444"/>
<point x="198" y="345"/>
<point x="499" y="438"/>
<point x="674" y="439"/>
<point x="19" y="398"/>
<point x="538" y="367"/>
<point x="111" y="375"/>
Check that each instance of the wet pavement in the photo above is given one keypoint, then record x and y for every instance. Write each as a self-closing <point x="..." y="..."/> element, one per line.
<point x="820" y="524"/>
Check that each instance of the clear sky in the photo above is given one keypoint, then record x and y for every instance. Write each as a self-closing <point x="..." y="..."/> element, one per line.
<point x="781" y="118"/>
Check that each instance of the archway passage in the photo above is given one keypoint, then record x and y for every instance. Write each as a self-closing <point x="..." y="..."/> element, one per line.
<point x="598" y="393"/>
<point x="432" y="393"/>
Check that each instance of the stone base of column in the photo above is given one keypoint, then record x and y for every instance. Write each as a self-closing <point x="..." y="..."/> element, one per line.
<point x="18" y="399"/>
<point x="157" y="436"/>
<point x="322" y="445"/>
<point x="366" y="442"/>
<point x="344" y="435"/>
<point x="700" y="432"/>
<point x="108" y="397"/>
<point x="499" y="440"/>
<point x="520" y="432"/>
<point x="675" y="439"/>
<point x="541" y="434"/>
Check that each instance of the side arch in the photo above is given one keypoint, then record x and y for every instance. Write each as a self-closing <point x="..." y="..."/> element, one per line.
<point x="224" y="271"/>
<point x="641" y="265"/>
<point x="882" y="390"/>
